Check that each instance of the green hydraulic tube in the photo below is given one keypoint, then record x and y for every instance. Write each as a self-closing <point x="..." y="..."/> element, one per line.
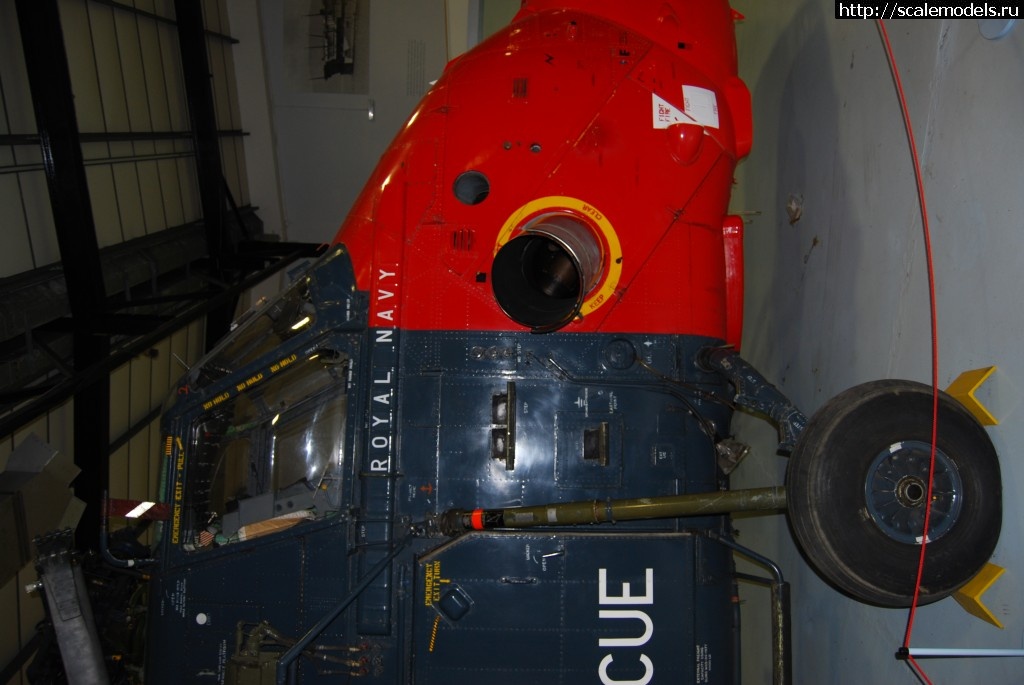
<point x="456" y="521"/>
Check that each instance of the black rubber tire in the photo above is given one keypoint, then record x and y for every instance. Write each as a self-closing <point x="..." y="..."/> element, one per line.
<point x="827" y="504"/>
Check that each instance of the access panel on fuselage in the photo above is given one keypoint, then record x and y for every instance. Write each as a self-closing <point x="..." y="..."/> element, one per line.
<point x="582" y="417"/>
<point x="573" y="608"/>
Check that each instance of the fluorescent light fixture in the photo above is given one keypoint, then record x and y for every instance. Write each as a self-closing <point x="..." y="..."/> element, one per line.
<point x="139" y="510"/>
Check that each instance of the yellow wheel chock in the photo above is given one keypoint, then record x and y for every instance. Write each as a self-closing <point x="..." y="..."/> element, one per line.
<point x="969" y="596"/>
<point x="963" y="389"/>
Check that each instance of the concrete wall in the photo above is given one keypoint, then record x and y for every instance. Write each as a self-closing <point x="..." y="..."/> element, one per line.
<point x="326" y="144"/>
<point x="840" y="296"/>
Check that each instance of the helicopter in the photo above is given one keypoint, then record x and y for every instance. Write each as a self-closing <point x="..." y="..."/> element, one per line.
<point x="485" y="437"/>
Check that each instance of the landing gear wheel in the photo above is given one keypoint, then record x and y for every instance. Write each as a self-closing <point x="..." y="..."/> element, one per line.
<point x="856" y="488"/>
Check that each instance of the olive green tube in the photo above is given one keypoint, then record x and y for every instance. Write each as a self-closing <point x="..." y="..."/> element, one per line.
<point x="605" y="511"/>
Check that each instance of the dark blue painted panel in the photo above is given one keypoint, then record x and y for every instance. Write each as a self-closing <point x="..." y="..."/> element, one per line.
<point x="569" y="608"/>
<point x="591" y="417"/>
<point x="564" y="386"/>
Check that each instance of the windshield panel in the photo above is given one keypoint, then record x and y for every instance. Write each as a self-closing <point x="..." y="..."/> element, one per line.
<point x="260" y="331"/>
<point x="272" y="455"/>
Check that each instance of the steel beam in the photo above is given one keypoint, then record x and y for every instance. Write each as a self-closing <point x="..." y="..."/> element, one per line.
<point x="102" y="369"/>
<point x="199" y="92"/>
<point x="116" y="136"/>
<point x="156" y="17"/>
<point x="53" y="100"/>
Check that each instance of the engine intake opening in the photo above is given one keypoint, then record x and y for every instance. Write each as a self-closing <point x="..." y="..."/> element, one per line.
<point x="541" y="277"/>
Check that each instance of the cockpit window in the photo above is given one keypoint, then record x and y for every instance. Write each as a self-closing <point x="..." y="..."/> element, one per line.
<point x="258" y="332"/>
<point x="272" y="455"/>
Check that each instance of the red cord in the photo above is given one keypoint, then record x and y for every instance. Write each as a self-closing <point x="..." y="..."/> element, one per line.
<point x="935" y="341"/>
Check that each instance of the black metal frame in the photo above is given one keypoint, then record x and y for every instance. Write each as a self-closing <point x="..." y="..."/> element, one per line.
<point x="103" y="336"/>
<point x="116" y="136"/>
<point x="53" y="100"/>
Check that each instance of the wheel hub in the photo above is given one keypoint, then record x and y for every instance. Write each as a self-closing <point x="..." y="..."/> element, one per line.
<point x="911" y="491"/>
<point x="896" y="492"/>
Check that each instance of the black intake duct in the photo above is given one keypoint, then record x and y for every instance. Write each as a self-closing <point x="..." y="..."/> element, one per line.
<point x="542" y="276"/>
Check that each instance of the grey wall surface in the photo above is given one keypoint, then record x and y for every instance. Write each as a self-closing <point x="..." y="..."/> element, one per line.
<point x="840" y="296"/>
<point x="326" y="144"/>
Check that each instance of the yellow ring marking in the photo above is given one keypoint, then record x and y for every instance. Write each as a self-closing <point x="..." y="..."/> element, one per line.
<point x="553" y="204"/>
